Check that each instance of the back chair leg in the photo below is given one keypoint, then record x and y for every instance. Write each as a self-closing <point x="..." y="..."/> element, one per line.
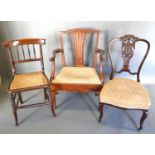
<point x="101" y="111"/>
<point x="20" y="97"/>
<point x="45" y="94"/>
<point x="14" y="109"/>
<point x="144" y="116"/>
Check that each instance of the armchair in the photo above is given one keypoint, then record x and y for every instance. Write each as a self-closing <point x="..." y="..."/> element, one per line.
<point x="78" y="78"/>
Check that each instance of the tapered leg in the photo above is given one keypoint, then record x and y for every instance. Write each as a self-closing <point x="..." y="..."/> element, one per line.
<point x="53" y="102"/>
<point x="144" y="116"/>
<point x="14" y="109"/>
<point x="20" y="98"/>
<point x="101" y="111"/>
<point x="45" y="94"/>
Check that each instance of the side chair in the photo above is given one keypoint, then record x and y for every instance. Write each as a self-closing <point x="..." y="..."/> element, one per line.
<point x="24" y="51"/>
<point x="125" y="93"/>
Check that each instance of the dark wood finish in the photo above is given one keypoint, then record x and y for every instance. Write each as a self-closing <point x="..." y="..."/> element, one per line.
<point x="101" y="111"/>
<point x="144" y="116"/>
<point x="15" y="95"/>
<point x="78" y="39"/>
<point x="127" y="52"/>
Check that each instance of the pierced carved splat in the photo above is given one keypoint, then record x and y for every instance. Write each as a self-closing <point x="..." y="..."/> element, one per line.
<point x="128" y="47"/>
<point x="127" y="52"/>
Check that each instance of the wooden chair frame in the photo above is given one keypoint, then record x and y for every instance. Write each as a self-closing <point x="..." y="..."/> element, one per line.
<point x="128" y="46"/>
<point x="15" y="95"/>
<point x="78" y="38"/>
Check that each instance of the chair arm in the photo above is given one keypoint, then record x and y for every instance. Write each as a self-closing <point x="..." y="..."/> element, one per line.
<point x="52" y="59"/>
<point x="101" y="54"/>
<point x="55" y="52"/>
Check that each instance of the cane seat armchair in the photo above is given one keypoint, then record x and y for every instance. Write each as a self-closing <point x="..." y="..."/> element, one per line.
<point x="26" y="50"/>
<point x="77" y="78"/>
<point x="126" y="93"/>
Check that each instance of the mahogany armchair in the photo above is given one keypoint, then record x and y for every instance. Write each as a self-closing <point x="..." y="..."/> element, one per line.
<point x="26" y="51"/>
<point x="125" y="93"/>
<point x="78" y="78"/>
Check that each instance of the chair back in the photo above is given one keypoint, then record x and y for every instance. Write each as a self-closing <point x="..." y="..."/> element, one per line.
<point x="24" y="51"/>
<point x="128" y="43"/>
<point x="78" y="37"/>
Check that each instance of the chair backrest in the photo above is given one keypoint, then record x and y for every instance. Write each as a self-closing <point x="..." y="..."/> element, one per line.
<point x="127" y="52"/>
<point x="26" y="50"/>
<point x="78" y="39"/>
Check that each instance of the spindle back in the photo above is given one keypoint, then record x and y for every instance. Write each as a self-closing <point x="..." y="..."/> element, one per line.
<point x="24" y="51"/>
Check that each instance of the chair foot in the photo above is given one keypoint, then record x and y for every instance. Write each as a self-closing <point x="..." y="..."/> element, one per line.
<point x="101" y="112"/>
<point x="144" y="116"/>
<point x="14" y="109"/>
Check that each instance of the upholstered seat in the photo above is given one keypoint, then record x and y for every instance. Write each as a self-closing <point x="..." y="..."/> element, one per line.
<point x="77" y="75"/>
<point x="28" y="80"/>
<point x="125" y="93"/>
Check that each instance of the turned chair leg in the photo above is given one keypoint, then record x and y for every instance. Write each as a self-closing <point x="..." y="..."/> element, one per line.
<point x="53" y="102"/>
<point x="101" y="111"/>
<point x="14" y="109"/>
<point x="45" y="94"/>
<point x="144" y="116"/>
<point x="20" y="98"/>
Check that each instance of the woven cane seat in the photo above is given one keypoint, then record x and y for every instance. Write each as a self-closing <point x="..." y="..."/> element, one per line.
<point x="77" y="75"/>
<point x="28" y="80"/>
<point x="125" y="93"/>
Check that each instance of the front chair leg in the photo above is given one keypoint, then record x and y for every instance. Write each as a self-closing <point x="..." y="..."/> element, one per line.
<point x="101" y="111"/>
<point x="14" y="109"/>
<point x="144" y="116"/>
<point x="53" y="102"/>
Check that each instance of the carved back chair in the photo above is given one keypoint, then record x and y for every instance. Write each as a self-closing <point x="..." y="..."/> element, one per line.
<point x="26" y="51"/>
<point x="125" y="93"/>
<point x="78" y="78"/>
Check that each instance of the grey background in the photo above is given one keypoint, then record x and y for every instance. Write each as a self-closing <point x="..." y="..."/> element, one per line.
<point x="49" y="30"/>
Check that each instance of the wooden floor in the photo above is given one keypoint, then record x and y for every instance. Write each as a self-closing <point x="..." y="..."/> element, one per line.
<point x="76" y="113"/>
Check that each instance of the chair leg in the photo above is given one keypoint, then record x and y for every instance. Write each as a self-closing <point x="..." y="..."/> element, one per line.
<point x="20" y="98"/>
<point x="14" y="109"/>
<point x="101" y="111"/>
<point x="53" y="102"/>
<point x="45" y="94"/>
<point x="144" y="116"/>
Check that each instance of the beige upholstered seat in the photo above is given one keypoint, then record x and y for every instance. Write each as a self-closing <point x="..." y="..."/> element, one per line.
<point x="77" y="75"/>
<point x="28" y="80"/>
<point x="125" y="93"/>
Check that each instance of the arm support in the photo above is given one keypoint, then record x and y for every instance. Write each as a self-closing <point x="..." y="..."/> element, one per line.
<point x="101" y="53"/>
<point x="52" y="59"/>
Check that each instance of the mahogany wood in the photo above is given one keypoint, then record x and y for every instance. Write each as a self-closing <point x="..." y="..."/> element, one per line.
<point x="78" y="39"/>
<point x="127" y="52"/>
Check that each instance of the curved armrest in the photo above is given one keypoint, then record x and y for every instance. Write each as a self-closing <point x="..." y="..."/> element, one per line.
<point x="58" y="50"/>
<point x="52" y="59"/>
<point x="101" y="54"/>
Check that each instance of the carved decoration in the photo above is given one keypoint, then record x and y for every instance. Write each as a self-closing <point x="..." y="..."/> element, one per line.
<point x="78" y="45"/>
<point x="128" y="47"/>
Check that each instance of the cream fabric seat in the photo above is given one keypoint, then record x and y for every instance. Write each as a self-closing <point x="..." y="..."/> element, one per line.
<point x="125" y="93"/>
<point x="77" y="75"/>
<point x="28" y="80"/>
